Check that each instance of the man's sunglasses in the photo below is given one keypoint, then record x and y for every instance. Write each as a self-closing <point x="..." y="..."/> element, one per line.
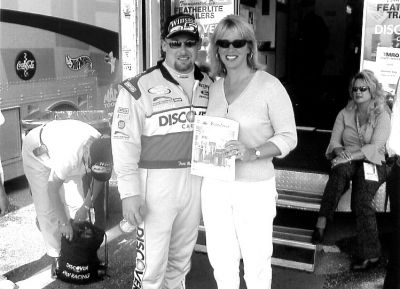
<point x="361" y="88"/>
<point x="178" y="44"/>
<point x="238" y="43"/>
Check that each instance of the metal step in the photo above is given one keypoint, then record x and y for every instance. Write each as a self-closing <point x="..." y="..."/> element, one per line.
<point x="292" y="247"/>
<point x="303" y="191"/>
<point x="299" y="200"/>
<point x="300" y="190"/>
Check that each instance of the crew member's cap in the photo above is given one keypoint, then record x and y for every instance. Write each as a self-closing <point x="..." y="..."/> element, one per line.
<point x="101" y="159"/>
<point x="181" y="24"/>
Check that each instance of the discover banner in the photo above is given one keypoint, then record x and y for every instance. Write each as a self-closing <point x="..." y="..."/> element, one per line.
<point x="380" y="51"/>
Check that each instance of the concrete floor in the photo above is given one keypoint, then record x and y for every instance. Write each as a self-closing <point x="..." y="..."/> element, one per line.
<point x="23" y="259"/>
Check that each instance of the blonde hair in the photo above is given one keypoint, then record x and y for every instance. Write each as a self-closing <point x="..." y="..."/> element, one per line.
<point x="230" y="23"/>
<point x="378" y="103"/>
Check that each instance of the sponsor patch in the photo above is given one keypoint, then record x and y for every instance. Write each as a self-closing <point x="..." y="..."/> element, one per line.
<point x="121" y="124"/>
<point x="162" y="103"/>
<point x="123" y="110"/>
<point x="205" y="92"/>
<point x="190" y="116"/>
<point x="130" y="86"/>
<point x="203" y="85"/>
<point x="162" y="98"/>
<point x="159" y="90"/>
<point x="123" y="116"/>
<point x="120" y="135"/>
<point x="140" y="267"/>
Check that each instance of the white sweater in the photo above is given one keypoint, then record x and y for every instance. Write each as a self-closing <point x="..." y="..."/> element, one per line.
<point x="265" y="114"/>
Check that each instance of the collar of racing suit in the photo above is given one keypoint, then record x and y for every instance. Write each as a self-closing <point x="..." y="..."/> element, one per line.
<point x="165" y="73"/>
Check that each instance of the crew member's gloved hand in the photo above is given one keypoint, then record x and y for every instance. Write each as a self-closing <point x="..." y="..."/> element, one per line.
<point x="66" y="230"/>
<point x="81" y="215"/>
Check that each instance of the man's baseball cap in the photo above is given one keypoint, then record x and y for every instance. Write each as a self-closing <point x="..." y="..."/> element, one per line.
<point x="101" y="159"/>
<point x="180" y="24"/>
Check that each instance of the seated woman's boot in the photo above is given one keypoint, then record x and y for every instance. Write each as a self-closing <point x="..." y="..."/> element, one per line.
<point x="362" y="265"/>
<point x="318" y="235"/>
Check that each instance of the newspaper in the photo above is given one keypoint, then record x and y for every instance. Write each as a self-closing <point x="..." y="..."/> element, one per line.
<point x="208" y="152"/>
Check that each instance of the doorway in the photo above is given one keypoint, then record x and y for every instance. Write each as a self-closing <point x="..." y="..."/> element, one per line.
<point x="324" y="40"/>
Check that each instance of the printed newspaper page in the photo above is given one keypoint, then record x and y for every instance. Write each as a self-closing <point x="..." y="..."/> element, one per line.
<point x="210" y="136"/>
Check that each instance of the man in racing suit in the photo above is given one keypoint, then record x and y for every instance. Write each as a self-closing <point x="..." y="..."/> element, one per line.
<point x="151" y="141"/>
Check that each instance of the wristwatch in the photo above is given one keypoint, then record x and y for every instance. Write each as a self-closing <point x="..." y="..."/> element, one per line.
<point x="257" y="153"/>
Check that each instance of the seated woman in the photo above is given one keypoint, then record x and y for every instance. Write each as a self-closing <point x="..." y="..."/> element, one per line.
<point x="360" y="132"/>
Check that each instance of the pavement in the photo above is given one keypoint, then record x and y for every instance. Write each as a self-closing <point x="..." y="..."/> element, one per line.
<point x="23" y="260"/>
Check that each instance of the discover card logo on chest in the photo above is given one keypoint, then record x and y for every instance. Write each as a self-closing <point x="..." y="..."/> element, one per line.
<point x="178" y="117"/>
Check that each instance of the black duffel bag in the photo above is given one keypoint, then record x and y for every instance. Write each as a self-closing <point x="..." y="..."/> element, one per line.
<point x="78" y="262"/>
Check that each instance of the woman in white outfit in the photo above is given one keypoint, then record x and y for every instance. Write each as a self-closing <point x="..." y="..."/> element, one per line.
<point x="238" y="215"/>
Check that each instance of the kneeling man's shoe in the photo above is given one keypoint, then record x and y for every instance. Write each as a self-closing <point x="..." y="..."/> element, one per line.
<point x="54" y="268"/>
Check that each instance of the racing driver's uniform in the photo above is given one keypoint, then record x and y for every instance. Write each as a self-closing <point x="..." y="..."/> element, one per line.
<point x="152" y="135"/>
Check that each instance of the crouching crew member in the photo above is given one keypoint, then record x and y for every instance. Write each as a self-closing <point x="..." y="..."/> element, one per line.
<point x="56" y="157"/>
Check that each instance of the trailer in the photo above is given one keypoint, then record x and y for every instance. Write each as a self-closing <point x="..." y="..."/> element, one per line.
<point x="54" y="56"/>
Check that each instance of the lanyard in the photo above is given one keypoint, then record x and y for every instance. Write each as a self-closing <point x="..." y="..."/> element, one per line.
<point x="360" y="135"/>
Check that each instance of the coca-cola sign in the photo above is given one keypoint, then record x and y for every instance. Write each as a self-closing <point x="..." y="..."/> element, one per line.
<point x="25" y="65"/>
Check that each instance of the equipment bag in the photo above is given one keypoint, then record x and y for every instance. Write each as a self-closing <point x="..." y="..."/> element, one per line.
<point x="78" y="262"/>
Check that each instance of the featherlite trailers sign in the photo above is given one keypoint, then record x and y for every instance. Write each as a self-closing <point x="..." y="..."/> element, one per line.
<point x="207" y="13"/>
<point x="380" y="50"/>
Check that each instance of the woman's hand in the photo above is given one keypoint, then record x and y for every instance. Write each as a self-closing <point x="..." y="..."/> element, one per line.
<point x="66" y="230"/>
<point x="336" y="151"/>
<point x="82" y="214"/>
<point x="239" y="150"/>
<point x="339" y="160"/>
<point x="345" y="155"/>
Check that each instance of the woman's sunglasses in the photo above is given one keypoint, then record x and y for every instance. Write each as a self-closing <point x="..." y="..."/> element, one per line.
<point x="238" y="43"/>
<point x="361" y="88"/>
<point x="178" y="44"/>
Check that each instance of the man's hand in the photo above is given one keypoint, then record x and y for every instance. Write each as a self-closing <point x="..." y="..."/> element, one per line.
<point x="134" y="210"/>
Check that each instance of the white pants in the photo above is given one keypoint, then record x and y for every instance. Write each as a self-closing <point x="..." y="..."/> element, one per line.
<point x="238" y="218"/>
<point x="37" y="171"/>
<point x="166" y="239"/>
